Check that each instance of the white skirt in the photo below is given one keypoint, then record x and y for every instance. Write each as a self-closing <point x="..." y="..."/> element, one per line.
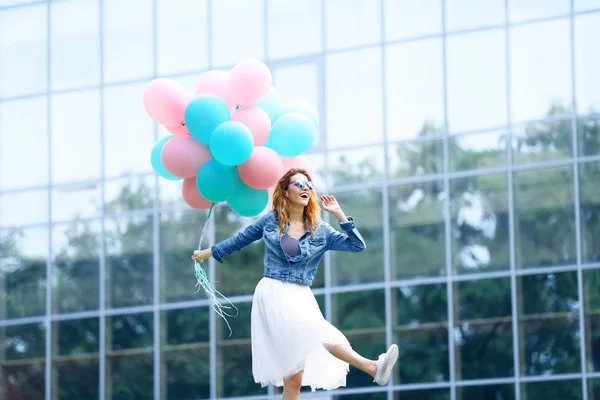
<point x="289" y="334"/>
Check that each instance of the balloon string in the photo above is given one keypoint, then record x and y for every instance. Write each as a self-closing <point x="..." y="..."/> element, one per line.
<point x="214" y="296"/>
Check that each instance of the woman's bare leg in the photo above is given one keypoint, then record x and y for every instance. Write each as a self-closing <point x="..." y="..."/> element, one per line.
<point x="291" y="386"/>
<point x="345" y="353"/>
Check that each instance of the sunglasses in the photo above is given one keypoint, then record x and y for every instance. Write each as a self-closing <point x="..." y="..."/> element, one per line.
<point x="302" y="184"/>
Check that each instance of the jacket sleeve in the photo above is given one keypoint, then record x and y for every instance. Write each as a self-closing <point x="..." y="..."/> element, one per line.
<point x="350" y="240"/>
<point x="242" y="239"/>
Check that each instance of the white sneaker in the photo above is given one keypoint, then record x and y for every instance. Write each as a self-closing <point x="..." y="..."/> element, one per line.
<point x="385" y="363"/>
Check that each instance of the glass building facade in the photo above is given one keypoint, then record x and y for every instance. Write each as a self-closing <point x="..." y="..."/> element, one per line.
<point x="462" y="135"/>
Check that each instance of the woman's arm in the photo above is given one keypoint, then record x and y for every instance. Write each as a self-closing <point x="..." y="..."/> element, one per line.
<point x="220" y="250"/>
<point x="350" y="240"/>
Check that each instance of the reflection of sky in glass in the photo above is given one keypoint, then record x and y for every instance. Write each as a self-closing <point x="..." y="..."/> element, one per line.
<point x="586" y="5"/>
<point x="76" y="201"/>
<point x="23" y="55"/>
<point x="521" y="10"/>
<point x="182" y="35"/>
<point x="587" y="62"/>
<point x="294" y="28"/>
<point x="24" y="208"/>
<point x="409" y="18"/>
<point x="351" y="23"/>
<point x="469" y="14"/>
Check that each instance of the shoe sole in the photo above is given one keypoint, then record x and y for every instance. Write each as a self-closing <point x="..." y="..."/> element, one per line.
<point x="389" y="364"/>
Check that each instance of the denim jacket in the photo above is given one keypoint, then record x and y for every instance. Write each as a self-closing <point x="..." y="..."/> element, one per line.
<point x="303" y="267"/>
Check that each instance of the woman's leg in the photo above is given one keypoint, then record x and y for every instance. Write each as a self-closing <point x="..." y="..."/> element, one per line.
<point x="291" y="386"/>
<point x="345" y="353"/>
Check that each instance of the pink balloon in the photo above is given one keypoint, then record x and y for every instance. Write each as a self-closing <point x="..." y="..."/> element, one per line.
<point x="192" y="196"/>
<point x="262" y="170"/>
<point x="215" y="82"/>
<point x="183" y="156"/>
<point x="165" y="101"/>
<point x="249" y="82"/>
<point x="257" y="121"/>
<point x="298" y="162"/>
<point x="180" y="130"/>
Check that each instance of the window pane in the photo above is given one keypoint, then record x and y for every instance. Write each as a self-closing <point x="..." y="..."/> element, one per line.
<point x="129" y="260"/>
<point x="133" y="194"/>
<point x="476" y="84"/>
<point x="24" y="208"/>
<point x="550" y="324"/>
<point x="483" y="329"/>
<point x="352" y="23"/>
<point x="75" y="44"/>
<point x="588" y="132"/>
<point x="354" y="100"/>
<point x="361" y="396"/>
<point x="555" y="389"/>
<point x="23" y="258"/>
<point x="417" y="231"/>
<point x="421" y="332"/>
<point x="75" y="358"/>
<point x="470" y="14"/>
<point x="237" y="31"/>
<point x="587" y="62"/>
<point x="300" y="83"/>
<point x="478" y="151"/>
<point x="366" y="266"/>
<point x="429" y="394"/>
<point x="540" y="70"/>
<point x="182" y="36"/>
<point x="76" y="247"/>
<point x="499" y="392"/>
<point x="593" y="388"/>
<point x="416" y="158"/>
<point x="544" y="217"/>
<point x="414" y="94"/>
<point x="179" y="234"/>
<point x="542" y="141"/>
<point x="75" y="136"/>
<point x="349" y="167"/>
<point x="23" y="361"/>
<point x="76" y="201"/>
<point x="361" y="317"/>
<point x="185" y="351"/>
<point x="23" y="142"/>
<point x="586" y="5"/>
<point x="128" y="44"/>
<point x="130" y="365"/>
<point x="294" y="28"/>
<point x="479" y="207"/>
<point x="591" y="293"/>
<point x="407" y="18"/>
<point x="128" y="131"/>
<point x="520" y="10"/>
<point x="23" y="51"/>
<point x="589" y="203"/>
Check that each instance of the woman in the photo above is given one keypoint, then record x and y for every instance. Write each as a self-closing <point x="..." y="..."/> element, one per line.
<point x="292" y="344"/>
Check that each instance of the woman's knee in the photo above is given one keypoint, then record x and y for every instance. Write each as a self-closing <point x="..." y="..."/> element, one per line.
<point x="294" y="382"/>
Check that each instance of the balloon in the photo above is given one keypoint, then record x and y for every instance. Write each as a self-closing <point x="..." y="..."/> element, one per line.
<point x="248" y="202"/>
<point x="204" y="114"/>
<point x="192" y="197"/>
<point x="165" y="101"/>
<point x="183" y="156"/>
<point x="257" y="121"/>
<point x="231" y="143"/>
<point x="156" y="160"/>
<point x="180" y="129"/>
<point x="215" y="82"/>
<point x="302" y="107"/>
<point x="300" y="161"/>
<point x="270" y="104"/>
<point x="249" y="81"/>
<point x="217" y="182"/>
<point x="292" y="135"/>
<point x="263" y="169"/>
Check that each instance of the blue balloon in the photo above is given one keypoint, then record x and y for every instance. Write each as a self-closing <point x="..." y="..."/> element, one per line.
<point x="270" y="104"/>
<point x="217" y="182"/>
<point x="248" y="202"/>
<point x="304" y="108"/>
<point x="156" y="160"/>
<point x="204" y="114"/>
<point x="292" y="135"/>
<point x="231" y="143"/>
